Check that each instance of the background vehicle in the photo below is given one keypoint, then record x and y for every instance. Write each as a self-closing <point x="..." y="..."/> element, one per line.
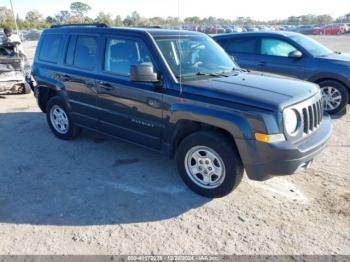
<point x="14" y="70"/>
<point x="32" y="35"/>
<point x="335" y="29"/>
<point x="295" y="55"/>
<point x="305" y="29"/>
<point x="182" y="96"/>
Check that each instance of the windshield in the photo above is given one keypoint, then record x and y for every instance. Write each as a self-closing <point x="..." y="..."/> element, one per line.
<point x="313" y="47"/>
<point x="190" y="56"/>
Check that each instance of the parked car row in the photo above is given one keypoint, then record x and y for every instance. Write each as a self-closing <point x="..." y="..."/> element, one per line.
<point x="184" y="97"/>
<point x="334" y="29"/>
<point x="331" y="29"/>
<point x="217" y="29"/>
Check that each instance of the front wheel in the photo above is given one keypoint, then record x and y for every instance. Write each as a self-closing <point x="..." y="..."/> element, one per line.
<point x="59" y="120"/>
<point x="335" y="96"/>
<point x="209" y="164"/>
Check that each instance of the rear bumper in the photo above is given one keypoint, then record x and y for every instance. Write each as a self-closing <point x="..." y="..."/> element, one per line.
<point x="264" y="160"/>
<point x="10" y="81"/>
<point x="11" y="86"/>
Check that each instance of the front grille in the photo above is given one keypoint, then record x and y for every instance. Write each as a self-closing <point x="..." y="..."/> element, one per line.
<point x="312" y="115"/>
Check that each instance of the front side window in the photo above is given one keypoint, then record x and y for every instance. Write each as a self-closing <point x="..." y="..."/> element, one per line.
<point x="276" y="47"/>
<point x="190" y="56"/>
<point x="50" y="48"/>
<point x="121" y="54"/>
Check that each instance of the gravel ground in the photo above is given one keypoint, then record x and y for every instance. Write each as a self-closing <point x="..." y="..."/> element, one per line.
<point x="97" y="196"/>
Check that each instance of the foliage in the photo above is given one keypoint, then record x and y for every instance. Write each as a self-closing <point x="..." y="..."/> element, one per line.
<point x="78" y="11"/>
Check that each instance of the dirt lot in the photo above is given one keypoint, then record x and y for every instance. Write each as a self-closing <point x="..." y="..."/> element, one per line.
<point x="95" y="196"/>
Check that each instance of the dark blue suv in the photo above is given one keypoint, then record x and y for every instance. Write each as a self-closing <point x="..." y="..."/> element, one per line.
<point x="180" y="94"/>
<point x="295" y="55"/>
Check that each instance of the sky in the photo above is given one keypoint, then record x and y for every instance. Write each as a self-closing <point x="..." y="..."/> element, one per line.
<point x="231" y="9"/>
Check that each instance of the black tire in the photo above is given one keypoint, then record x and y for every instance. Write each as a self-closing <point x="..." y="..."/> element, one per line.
<point x="342" y="90"/>
<point x="72" y="131"/>
<point x="225" y="148"/>
<point x="26" y="89"/>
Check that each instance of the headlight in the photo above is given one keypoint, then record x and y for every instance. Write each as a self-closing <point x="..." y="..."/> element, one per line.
<point x="291" y="121"/>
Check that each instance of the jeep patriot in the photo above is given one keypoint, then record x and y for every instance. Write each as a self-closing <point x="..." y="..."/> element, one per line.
<point x="178" y="93"/>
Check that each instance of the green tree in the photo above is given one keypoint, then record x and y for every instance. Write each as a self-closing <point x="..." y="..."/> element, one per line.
<point x="6" y="17"/>
<point x="63" y="17"/>
<point x="293" y="20"/>
<point x="308" y="19"/>
<point x="50" y="20"/>
<point x="79" y="9"/>
<point x="118" y="21"/>
<point x="103" y="17"/>
<point x="133" y="20"/>
<point x="34" y="16"/>
<point x="324" y="19"/>
<point x="192" y="20"/>
<point x="347" y="17"/>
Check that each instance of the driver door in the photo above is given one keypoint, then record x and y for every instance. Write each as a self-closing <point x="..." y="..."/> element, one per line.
<point x="128" y="110"/>
<point x="273" y="57"/>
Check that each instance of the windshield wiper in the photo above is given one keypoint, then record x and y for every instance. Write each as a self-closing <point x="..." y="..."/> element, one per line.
<point x="207" y="74"/>
<point x="218" y="74"/>
<point x="200" y="73"/>
<point x="242" y="70"/>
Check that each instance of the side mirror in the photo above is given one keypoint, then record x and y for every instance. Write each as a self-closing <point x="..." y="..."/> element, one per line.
<point x="143" y="73"/>
<point x="295" y="54"/>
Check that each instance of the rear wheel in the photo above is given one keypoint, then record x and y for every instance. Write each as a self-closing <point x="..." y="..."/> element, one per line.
<point x="59" y="120"/>
<point x="335" y="96"/>
<point x="209" y="164"/>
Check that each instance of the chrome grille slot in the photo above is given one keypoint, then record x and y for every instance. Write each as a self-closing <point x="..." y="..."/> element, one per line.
<point x="311" y="118"/>
<point x="311" y="112"/>
<point x="315" y="115"/>
<point x="306" y="120"/>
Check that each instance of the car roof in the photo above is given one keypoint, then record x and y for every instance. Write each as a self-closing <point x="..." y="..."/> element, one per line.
<point x="261" y="33"/>
<point x="156" y="32"/>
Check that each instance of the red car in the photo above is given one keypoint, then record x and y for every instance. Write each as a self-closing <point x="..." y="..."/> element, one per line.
<point x="335" y="29"/>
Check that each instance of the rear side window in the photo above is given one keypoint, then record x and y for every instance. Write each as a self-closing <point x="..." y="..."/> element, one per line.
<point x="81" y="52"/>
<point x="50" y="48"/>
<point x="121" y="54"/>
<point x="240" y="45"/>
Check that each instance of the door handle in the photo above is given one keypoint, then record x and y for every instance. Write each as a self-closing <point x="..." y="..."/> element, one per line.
<point x="65" y="77"/>
<point x="261" y="63"/>
<point x="62" y="77"/>
<point x="105" y="85"/>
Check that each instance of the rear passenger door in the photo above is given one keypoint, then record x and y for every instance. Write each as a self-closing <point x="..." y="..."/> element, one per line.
<point x="79" y="78"/>
<point x="244" y="50"/>
<point x="129" y="110"/>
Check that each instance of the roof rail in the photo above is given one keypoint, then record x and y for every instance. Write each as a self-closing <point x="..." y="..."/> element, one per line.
<point x="149" y="26"/>
<point x="66" y="25"/>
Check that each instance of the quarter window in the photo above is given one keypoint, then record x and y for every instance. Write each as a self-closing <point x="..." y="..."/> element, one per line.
<point x="121" y="54"/>
<point x="50" y="48"/>
<point x="276" y="47"/>
<point x="85" y="52"/>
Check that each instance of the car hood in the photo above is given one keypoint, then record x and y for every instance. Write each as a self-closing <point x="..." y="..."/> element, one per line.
<point x="343" y="58"/>
<point x="256" y="89"/>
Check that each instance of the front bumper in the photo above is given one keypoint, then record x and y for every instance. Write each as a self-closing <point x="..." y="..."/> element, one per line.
<point x="264" y="160"/>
